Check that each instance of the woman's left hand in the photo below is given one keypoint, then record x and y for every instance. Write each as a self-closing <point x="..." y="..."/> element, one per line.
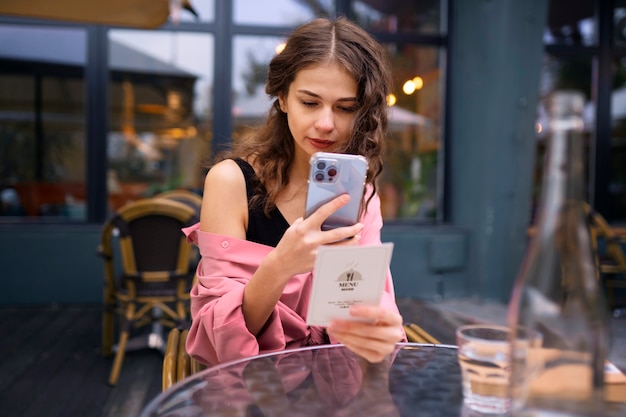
<point x="373" y="339"/>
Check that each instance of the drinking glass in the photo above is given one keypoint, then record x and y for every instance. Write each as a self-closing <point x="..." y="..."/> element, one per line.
<point x="483" y="352"/>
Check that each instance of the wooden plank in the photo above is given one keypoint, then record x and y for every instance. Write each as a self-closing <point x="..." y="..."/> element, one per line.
<point x="55" y="352"/>
<point x="21" y="324"/>
<point x="139" y="382"/>
<point x="72" y="357"/>
<point x="46" y="374"/>
<point x="28" y="347"/>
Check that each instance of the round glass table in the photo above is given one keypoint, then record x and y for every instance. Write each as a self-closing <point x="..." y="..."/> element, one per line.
<point x="327" y="380"/>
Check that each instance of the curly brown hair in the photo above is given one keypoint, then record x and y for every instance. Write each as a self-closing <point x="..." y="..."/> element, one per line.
<point x="321" y="41"/>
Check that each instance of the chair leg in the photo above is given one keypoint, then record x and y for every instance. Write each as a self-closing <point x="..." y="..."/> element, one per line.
<point x="119" y="358"/>
<point x="121" y="346"/>
<point x="108" y="329"/>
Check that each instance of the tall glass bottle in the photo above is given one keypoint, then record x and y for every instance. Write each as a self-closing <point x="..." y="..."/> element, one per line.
<point x="557" y="309"/>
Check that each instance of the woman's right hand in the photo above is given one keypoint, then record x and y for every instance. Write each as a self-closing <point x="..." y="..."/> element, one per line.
<point x="294" y="254"/>
<point x="297" y="249"/>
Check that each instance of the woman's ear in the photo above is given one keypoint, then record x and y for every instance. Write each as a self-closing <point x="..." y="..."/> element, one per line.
<point x="282" y="103"/>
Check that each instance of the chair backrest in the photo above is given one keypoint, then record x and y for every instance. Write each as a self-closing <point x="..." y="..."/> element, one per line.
<point x="152" y="245"/>
<point x="177" y="364"/>
<point x="187" y="197"/>
<point x="602" y="231"/>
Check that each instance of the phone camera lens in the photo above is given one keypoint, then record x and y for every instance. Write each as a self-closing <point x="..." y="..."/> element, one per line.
<point x="321" y="165"/>
<point x="319" y="176"/>
<point x="332" y="172"/>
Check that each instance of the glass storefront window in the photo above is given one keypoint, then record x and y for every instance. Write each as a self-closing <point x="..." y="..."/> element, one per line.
<point x="617" y="168"/>
<point x="400" y="16"/>
<point x="42" y="122"/>
<point x="408" y="187"/>
<point x="160" y="115"/>
<point x="200" y="11"/>
<point x="280" y="12"/>
<point x="251" y="58"/>
<point x="577" y="26"/>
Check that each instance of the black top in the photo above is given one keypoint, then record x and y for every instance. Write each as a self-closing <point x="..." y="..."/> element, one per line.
<point x="261" y="228"/>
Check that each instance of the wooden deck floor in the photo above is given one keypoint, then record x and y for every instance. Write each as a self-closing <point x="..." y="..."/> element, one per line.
<point x="51" y="364"/>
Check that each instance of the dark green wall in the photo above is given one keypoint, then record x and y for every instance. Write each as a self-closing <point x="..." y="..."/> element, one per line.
<point x="495" y="59"/>
<point x="50" y="264"/>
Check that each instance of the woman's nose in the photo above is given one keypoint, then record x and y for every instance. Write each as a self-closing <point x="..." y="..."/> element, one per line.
<point x="325" y="121"/>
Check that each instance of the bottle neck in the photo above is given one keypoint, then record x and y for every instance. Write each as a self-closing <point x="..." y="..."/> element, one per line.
<point x="563" y="180"/>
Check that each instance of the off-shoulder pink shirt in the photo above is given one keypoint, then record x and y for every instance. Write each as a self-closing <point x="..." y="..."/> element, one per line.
<point x="218" y="331"/>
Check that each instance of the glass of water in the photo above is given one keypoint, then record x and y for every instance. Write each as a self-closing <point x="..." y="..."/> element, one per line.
<point x="483" y="352"/>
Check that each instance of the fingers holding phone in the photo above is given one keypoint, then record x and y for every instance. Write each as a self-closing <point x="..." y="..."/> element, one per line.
<point x="348" y="234"/>
<point x="332" y="175"/>
<point x="298" y="247"/>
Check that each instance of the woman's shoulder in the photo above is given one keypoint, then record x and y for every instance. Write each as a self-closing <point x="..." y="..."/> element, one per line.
<point x="224" y="203"/>
<point x="227" y="171"/>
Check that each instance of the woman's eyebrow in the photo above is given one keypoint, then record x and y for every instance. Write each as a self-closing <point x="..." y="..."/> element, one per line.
<point x="312" y="94"/>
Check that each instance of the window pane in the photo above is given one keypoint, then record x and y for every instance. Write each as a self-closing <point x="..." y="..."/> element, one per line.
<point x="160" y="112"/>
<point x="617" y="152"/>
<point x="199" y="11"/>
<point x="280" y="12"/>
<point x="400" y="16"/>
<point x="251" y="57"/>
<point x="571" y="22"/>
<point x="42" y="122"/>
<point x="408" y="188"/>
<point x="619" y="18"/>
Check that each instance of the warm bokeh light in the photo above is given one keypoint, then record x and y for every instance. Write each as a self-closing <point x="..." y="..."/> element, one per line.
<point x="419" y="82"/>
<point x="408" y="87"/>
<point x="539" y="127"/>
<point x="391" y="99"/>
<point x="279" y="48"/>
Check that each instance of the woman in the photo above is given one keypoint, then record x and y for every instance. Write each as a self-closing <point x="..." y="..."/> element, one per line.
<point x="329" y="86"/>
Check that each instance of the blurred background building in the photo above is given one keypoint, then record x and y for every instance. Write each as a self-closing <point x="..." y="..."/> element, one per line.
<point x="93" y="116"/>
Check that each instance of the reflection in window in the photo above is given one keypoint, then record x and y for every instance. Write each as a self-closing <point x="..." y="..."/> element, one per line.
<point x="619" y="18"/>
<point x="399" y="16"/>
<point x="160" y="114"/>
<point x="42" y="126"/>
<point x="195" y="10"/>
<point x="251" y="58"/>
<point x="281" y="12"/>
<point x="617" y="168"/>
<point x="571" y="22"/>
<point x="408" y="188"/>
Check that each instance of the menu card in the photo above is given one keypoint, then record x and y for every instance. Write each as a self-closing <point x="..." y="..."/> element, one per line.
<point x="344" y="276"/>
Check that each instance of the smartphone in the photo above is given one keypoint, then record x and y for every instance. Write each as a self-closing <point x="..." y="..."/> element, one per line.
<point x="333" y="174"/>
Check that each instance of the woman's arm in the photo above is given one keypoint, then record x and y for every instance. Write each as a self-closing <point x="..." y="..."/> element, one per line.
<point x="225" y="212"/>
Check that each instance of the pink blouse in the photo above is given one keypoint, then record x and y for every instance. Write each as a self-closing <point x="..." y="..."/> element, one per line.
<point x="218" y="331"/>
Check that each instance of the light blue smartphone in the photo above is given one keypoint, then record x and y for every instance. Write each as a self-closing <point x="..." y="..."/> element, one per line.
<point x="333" y="174"/>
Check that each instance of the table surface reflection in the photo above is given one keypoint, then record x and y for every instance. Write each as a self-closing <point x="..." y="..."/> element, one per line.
<point x="327" y="380"/>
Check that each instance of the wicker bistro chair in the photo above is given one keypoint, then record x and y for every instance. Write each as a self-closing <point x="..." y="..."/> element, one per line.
<point x="156" y="275"/>
<point x="187" y="197"/>
<point x="610" y="258"/>
<point x="192" y="200"/>
<point x="416" y="334"/>
<point x="177" y="364"/>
